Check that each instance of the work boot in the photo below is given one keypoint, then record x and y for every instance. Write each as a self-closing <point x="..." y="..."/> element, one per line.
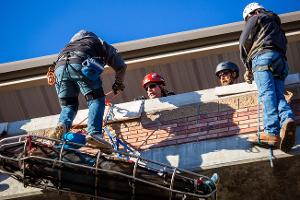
<point x="215" y="178"/>
<point x="265" y="139"/>
<point x="287" y="134"/>
<point x="58" y="131"/>
<point x="97" y="141"/>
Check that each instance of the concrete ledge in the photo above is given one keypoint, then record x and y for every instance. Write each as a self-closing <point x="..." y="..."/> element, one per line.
<point x="216" y="153"/>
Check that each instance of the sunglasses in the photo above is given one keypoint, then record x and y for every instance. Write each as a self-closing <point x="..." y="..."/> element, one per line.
<point x="151" y="86"/>
<point x="224" y="73"/>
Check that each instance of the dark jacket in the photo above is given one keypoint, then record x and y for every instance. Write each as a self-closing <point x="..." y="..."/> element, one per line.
<point x="86" y="44"/>
<point x="262" y="33"/>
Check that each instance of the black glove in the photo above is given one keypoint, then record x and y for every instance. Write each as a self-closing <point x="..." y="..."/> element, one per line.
<point x="118" y="87"/>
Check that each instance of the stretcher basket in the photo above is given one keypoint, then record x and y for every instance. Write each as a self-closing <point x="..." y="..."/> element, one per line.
<point x="64" y="166"/>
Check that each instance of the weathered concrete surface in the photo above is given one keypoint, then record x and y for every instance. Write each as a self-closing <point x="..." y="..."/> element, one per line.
<point x="258" y="181"/>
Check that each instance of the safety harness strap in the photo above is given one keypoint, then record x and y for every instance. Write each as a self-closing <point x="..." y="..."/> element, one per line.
<point x="276" y="74"/>
<point x="68" y="101"/>
<point x="96" y="94"/>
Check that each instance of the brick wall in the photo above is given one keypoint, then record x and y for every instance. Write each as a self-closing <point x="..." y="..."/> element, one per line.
<point x="226" y="116"/>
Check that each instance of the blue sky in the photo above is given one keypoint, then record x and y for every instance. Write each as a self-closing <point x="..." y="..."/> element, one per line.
<point x="34" y="28"/>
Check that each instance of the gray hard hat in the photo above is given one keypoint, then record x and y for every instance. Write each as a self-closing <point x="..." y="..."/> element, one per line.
<point x="227" y="65"/>
<point x="83" y="34"/>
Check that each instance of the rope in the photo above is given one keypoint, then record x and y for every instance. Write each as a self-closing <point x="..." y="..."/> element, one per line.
<point x="106" y="103"/>
<point x="258" y="134"/>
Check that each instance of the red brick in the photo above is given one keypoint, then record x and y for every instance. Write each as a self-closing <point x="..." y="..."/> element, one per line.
<point x="217" y="114"/>
<point x="154" y="141"/>
<point x="197" y="125"/>
<point x="173" y="121"/>
<point x="218" y="122"/>
<point x="241" y="110"/>
<point x="236" y="119"/>
<point x="188" y="131"/>
<point x="202" y="137"/>
<point x="180" y="128"/>
<point x="163" y="135"/>
<point x="174" y="137"/>
<point x="248" y="130"/>
<point x="197" y="134"/>
<point x="133" y="128"/>
<point x="186" y="123"/>
<point x="187" y="140"/>
<point x="211" y="136"/>
<point x="131" y="140"/>
<point x="168" y="126"/>
<point x="249" y="121"/>
<point x="137" y="135"/>
<point x="212" y="119"/>
<point x="228" y="133"/>
<point x="246" y="113"/>
<point x="254" y="108"/>
<point x="218" y="130"/>
<point x="193" y="118"/>
<point x="164" y="143"/>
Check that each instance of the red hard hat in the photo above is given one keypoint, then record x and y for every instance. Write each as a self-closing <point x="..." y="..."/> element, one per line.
<point x="153" y="78"/>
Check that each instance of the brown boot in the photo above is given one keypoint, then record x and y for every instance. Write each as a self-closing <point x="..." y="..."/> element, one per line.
<point x="265" y="139"/>
<point x="97" y="141"/>
<point x="58" y="131"/>
<point x="287" y="134"/>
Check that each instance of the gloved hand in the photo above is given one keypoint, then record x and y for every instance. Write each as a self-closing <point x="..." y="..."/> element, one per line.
<point x="118" y="87"/>
<point x="248" y="76"/>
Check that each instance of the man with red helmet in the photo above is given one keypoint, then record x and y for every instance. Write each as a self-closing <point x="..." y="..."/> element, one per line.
<point x="154" y="84"/>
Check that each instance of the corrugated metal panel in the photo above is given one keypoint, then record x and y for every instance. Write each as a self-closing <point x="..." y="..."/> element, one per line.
<point x="182" y="74"/>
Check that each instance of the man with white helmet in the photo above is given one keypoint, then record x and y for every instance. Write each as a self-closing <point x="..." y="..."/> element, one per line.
<point x="263" y="52"/>
<point x="78" y="69"/>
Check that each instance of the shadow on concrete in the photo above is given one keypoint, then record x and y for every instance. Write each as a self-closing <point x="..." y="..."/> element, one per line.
<point x="3" y="186"/>
<point x="191" y="132"/>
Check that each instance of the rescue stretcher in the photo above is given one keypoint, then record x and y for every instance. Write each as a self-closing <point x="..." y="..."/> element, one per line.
<point x="70" y="167"/>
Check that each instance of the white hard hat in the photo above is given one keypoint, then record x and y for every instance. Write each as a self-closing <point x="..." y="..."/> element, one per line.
<point x="250" y="8"/>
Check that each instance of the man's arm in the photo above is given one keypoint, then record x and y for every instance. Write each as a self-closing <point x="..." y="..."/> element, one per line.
<point x="114" y="60"/>
<point x="247" y="39"/>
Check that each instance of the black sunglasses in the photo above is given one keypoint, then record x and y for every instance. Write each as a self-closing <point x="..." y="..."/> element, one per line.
<point x="151" y="86"/>
<point x="225" y="73"/>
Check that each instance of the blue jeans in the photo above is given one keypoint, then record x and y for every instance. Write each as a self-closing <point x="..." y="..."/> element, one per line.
<point x="69" y="82"/>
<point x="271" y="90"/>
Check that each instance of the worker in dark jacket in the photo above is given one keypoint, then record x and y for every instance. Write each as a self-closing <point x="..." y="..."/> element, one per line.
<point x="227" y="73"/>
<point x="263" y="52"/>
<point x="154" y="84"/>
<point x="78" y="69"/>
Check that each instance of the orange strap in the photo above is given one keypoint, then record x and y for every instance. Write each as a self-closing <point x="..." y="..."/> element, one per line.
<point x="51" y="76"/>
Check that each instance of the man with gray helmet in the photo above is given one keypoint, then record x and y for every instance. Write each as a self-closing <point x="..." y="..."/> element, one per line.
<point x="227" y="73"/>
<point x="78" y="69"/>
<point x="263" y="52"/>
